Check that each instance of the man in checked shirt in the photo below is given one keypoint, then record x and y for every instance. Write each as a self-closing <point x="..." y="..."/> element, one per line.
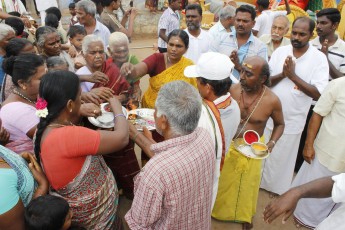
<point x="174" y="189"/>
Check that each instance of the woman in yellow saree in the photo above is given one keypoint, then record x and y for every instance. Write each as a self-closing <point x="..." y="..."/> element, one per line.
<point x="162" y="67"/>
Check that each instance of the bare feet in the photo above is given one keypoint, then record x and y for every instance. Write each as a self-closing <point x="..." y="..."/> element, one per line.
<point x="247" y="226"/>
<point x="273" y="195"/>
<point x="297" y="224"/>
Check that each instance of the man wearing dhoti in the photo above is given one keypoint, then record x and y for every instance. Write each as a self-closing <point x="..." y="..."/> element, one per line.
<point x="324" y="153"/>
<point x="299" y="75"/>
<point x="240" y="178"/>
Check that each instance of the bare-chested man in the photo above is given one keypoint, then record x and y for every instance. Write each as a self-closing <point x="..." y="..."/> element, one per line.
<point x="240" y="178"/>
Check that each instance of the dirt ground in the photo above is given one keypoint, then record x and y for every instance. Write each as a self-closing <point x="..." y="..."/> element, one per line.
<point x="263" y="199"/>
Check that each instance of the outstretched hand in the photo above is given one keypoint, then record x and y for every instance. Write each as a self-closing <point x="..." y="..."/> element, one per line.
<point x="284" y="204"/>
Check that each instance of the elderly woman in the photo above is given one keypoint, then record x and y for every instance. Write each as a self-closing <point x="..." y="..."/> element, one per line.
<point x="118" y="49"/>
<point x="56" y="62"/>
<point x="18" y="110"/>
<point x="17" y="187"/>
<point x="71" y="155"/>
<point x="14" y="47"/>
<point x="162" y="67"/>
<point x="93" y="50"/>
<point x="48" y="43"/>
<point x="6" y="34"/>
<point x="123" y="163"/>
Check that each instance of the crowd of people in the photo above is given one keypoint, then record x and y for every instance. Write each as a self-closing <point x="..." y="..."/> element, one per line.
<point x="207" y="89"/>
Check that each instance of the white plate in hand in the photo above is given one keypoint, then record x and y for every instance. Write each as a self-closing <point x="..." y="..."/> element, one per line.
<point x="98" y="123"/>
<point x="141" y="118"/>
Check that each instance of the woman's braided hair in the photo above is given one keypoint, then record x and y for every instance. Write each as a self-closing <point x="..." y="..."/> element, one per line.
<point x="56" y="88"/>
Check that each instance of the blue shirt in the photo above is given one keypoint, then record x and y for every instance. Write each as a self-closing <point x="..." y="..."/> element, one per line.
<point x="226" y="44"/>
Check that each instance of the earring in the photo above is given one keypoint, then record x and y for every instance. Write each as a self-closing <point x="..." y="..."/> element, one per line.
<point x="24" y="87"/>
<point x="70" y="111"/>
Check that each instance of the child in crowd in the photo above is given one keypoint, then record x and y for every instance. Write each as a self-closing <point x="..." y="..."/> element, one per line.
<point x="76" y="36"/>
<point x="48" y="212"/>
<point x="18" y="25"/>
<point x="73" y="12"/>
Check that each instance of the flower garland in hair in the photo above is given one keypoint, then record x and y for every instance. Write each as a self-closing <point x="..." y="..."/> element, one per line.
<point x="41" y="108"/>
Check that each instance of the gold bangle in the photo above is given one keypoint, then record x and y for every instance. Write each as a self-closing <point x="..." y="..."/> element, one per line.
<point x="135" y="136"/>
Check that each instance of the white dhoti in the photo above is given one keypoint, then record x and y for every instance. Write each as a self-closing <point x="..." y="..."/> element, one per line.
<point x="310" y="212"/>
<point x="277" y="170"/>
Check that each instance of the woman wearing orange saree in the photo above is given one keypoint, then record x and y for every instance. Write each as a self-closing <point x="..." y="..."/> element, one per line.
<point x="71" y="155"/>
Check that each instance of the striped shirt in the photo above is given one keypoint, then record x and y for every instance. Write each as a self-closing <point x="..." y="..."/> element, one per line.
<point x="226" y="44"/>
<point x="169" y="21"/>
<point x="336" y="53"/>
<point x="174" y="189"/>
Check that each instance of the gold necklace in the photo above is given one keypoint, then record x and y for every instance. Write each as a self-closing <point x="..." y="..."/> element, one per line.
<point x="59" y="125"/>
<point x="2" y="161"/>
<point x="22" y="96"/>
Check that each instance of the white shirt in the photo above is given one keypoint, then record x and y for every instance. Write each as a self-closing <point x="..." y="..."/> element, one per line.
<point x="336" y="53"/>
<point x="311" y="67"/>
<point x="17" y="6"/>
<point x="101" y="31"/>
<point x="218" y="31"/>
<point x="327" y="144"/>
<point x="85" y="85"/>
<point x="264" y="21"/>
<point x="169" y="21"/>
<point x="230" y="117"/>
<point x="209" y="122"/>
<point x="45" y="4"/>
<point x="198" y="45"/>
<point x="335" y="221"/>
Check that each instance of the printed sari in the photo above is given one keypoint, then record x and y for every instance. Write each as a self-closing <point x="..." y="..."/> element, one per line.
<point x="116" y="82"/>
<point x="93" y="196"/>
<point x="172" y="73"/>
<point x="26" y="182"/>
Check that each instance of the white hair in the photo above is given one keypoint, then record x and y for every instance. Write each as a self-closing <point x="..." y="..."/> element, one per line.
<point x="181" y="103"/>
<point x="117" y="38"/>
<point x="286" y="19"/>
<point x="88" y="40"/>
<point x="226" y="12"/>
<point x="88" y="6"/>
<point x="5" y="30"/>
<point x="41" y="34"/>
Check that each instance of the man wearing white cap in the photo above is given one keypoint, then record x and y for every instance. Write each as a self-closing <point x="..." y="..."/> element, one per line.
<point x="213" y="73"/>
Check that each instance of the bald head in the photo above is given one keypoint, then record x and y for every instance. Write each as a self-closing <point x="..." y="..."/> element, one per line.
<point x="306" y="20"/>
<point x="259" y="67"/>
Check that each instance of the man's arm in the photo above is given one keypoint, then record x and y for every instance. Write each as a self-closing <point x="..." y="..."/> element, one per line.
<point x="278" y="122"/>
<point x="287" y="6"/>
<point x="162" y="35"/>
<point x="132" y="14"/>
<point x="333" y="71"/>
<point x="313" y="128"/>
<point x="143" y="139"/>
<point x="276" y="79"/>
<point x="308" y="89"/>
<point x="286" y="203"/>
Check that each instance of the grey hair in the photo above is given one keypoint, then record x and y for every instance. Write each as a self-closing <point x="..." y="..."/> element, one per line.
<point x="117" y="38"/>
<point x="226" y="12"/>
<point x="180" y="102"/>
<point x="41" y="34"/>
<point x="5" y="30"/>
<point x="56" y="61"/>
<point x="286" y="19"/>
<point x="88" y="6"/>
<point x="88" y="40"/>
